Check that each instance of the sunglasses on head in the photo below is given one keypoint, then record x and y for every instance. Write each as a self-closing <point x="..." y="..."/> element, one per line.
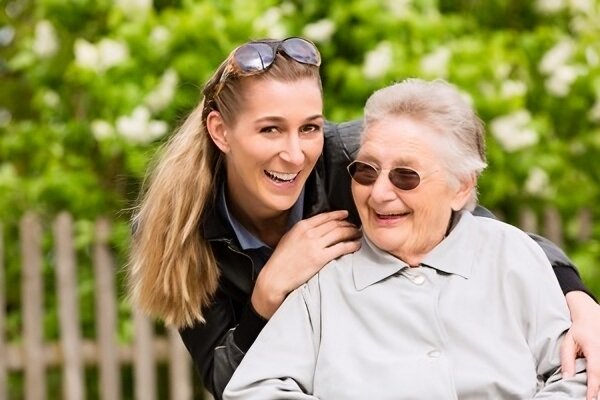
<point x="255" y="57"/>
<point x="366" y="174"/>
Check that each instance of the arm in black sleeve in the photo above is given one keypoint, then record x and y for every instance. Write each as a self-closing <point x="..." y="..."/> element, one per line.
<point x="218" y="345"/>
<point x="564" y="269"/>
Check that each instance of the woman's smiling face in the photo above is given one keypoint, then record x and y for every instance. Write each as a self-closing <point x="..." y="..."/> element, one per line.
<point x="405" y="223"/>
<point x="274" y="144"/>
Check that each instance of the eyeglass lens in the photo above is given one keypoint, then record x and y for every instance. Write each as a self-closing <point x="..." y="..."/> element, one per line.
<point x="254" y="57"/>
<point x="402" y="178"/>
<point x="301" y="51"/>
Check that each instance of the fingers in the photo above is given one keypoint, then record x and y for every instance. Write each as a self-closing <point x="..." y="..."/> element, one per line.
<point x="593" y="390"/>
<point x="568" y="354"/>
<point x="593" y="378"/>
<point x="322" y="218"/>
<point x="325" y="229"/>
<point x="341" y="248"/>
<point x="341" y="233"/>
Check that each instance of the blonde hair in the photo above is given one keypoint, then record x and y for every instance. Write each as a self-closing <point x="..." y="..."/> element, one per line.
<point x="173" y="273"/>
<point x="440" y="105"/>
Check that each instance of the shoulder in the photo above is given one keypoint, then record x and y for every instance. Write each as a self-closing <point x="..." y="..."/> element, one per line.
<point x="345" y="135"/>
<point x="333" y="273"/>
<point x="510" y="241"/>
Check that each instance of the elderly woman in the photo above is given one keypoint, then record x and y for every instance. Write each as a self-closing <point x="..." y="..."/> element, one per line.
<point x="437" y="303"/>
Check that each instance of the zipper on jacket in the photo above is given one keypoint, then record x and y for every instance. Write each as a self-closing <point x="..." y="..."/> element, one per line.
<point x="233" y="248"/>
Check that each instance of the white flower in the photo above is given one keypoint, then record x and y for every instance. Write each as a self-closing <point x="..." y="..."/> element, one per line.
<point x="7" y="34"/>
<point x="583" y="6"/>
<point x="138" y="128"/>
<point x="466" y="96"/>
<point x="5" y="117"/>
<point x="591" y="56"/>
<point x="45" y="41"/>
<point x="513" y="131"/>
<point x="134" y="8"/>
<point x="287" y="8"/>
<point x="112" y="53"/>
<point x="86" y="55"/>
<point x="398" y="8"/>
<point x="511" y="88"/>
<point x="320" y="31"/>
<point x="157" y="128"/>
<point x="502" y="70"/>
<point x="51" y="99"/>
<point x="559" y="83"/>
<point x="270" y="22"/>
<point x="158" y="99"/>
<point x="102" y="56"/>
<point x="594" y="113"/>
<point x="378" y="61"/>
<point x="538" y="182"/>
<point x="159" y="35"/>
<point x="550" y="6"/>
<point x="436" y="63"/>
<point x="557" y="56"/>
<point x="102" y="129"/>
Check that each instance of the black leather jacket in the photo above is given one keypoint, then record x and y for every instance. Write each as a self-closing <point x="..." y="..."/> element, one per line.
<point x="218" y="346"/>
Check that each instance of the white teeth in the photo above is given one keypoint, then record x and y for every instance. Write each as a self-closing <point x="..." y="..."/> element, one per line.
<point x="280" y="176"/>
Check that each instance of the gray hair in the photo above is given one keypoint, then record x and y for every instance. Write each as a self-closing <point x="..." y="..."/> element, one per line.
<point x="439" y="104"/>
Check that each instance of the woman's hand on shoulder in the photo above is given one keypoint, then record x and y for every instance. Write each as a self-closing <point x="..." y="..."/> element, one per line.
<point x="584" y="338"/>
<point x="300" y="254"/>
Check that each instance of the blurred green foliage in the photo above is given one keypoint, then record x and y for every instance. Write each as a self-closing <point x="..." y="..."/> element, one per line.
<point x="90" y="88"/>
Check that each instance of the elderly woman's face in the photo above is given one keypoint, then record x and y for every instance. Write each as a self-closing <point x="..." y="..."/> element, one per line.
<point x="406" y="223"/>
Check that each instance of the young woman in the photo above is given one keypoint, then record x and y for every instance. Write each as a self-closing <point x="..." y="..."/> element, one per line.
<point x="238" y="208"/>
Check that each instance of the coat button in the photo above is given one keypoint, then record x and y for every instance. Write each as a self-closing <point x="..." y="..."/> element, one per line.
<point x="434" y="354"/>
<point x="418" y="279"/>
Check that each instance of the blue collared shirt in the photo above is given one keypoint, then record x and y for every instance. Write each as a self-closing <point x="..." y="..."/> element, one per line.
<point x="258" y="251"/>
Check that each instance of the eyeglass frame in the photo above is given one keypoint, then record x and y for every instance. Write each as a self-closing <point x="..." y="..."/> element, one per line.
<point x="233" y="66"/>
<point x="379" y="171"/>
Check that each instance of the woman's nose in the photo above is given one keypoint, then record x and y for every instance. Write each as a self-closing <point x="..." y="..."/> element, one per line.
<point x="383" y="189"/>
<point x="292" y="152"/>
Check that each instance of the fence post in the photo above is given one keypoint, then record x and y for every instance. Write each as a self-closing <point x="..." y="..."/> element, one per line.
<point x="180" y="377"/>
<point x="106" y="314"/>
<point x="32" y="303"/>
<point x="584" y="233"/>
<point x="66" y="279"/>
<point x="143" y="358"/>
<point x="528" y="220"/>
<point x="3" y="355"/>
<point x="552" y="226"/>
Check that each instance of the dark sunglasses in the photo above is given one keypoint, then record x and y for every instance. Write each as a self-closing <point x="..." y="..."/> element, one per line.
<point x="255" y="57"/>
<point x="366" y="174"/>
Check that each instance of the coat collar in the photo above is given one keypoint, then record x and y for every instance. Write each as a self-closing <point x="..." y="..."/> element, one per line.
<point x="454" y="255"/>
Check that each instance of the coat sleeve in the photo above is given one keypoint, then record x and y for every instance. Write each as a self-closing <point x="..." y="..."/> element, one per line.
<point x="281" y="362"/>
<point x="564" y="269"/>
<point x="218" y="346"/>
<point x="546" y="320"/>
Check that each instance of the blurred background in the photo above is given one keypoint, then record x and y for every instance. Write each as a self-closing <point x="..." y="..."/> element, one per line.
<point x="89" y="89"/>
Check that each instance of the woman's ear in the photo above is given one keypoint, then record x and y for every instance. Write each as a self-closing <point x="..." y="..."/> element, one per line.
<point x="217" y="130"/>
<point x="463" y="193"/>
